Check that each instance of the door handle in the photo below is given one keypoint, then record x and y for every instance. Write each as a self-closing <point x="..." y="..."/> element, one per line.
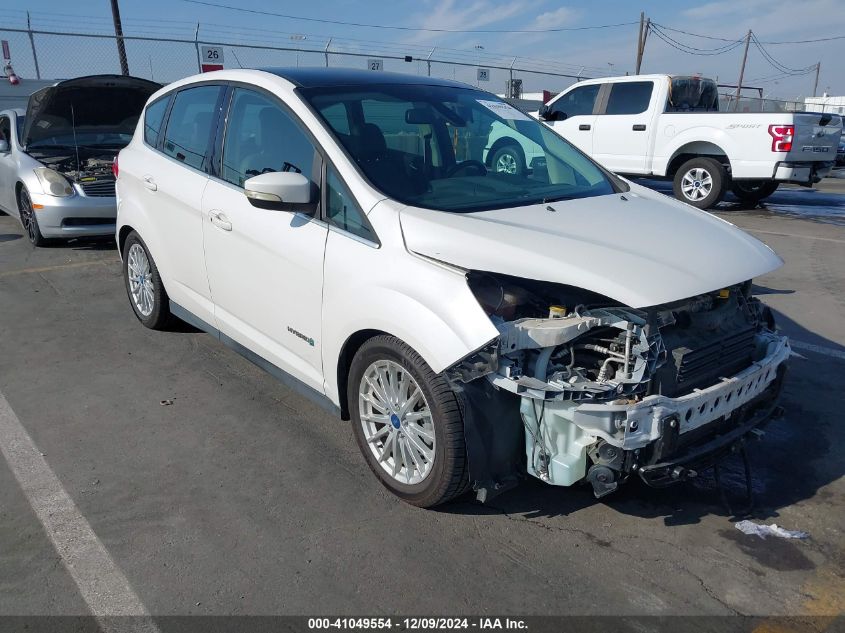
<point x="219" y="220"/>
<point x="639" y="127"/>
<point x="149" y="183"/>
<point x="584" y="126"/>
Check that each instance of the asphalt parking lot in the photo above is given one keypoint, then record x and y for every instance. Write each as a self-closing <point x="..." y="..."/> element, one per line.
<point x="241" y="497"/>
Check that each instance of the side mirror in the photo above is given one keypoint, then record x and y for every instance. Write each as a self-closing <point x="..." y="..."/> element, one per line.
<point x="281" y="191"/>
<point x="4" y="146"/>
<point x="548" y="114"/>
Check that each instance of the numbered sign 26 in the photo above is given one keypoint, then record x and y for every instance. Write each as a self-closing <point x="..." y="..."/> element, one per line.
<point x="211" y="58"/>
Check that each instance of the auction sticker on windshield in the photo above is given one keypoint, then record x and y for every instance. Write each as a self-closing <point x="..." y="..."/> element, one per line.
<point x="504" y="110"/>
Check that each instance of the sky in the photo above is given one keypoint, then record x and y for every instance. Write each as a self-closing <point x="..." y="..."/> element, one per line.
<point x="589" y="52"/>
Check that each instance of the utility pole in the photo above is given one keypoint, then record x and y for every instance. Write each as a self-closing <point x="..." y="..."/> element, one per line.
<point x="742" y="69"/>
<point x="644" y="28"/>
<point x="640" y="43"/>
<point x="118" y="36"/>
<point x="816" y="83"/>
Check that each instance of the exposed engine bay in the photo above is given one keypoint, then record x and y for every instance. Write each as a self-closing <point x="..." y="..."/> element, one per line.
<point x="605" y="391"/>
<point x="87" y="166"/>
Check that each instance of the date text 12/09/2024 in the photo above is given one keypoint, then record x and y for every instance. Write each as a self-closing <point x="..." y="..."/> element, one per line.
<point x="417" y="623"/>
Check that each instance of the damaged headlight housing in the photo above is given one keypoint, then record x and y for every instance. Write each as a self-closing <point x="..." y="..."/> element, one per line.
<point x="53" y="183"/>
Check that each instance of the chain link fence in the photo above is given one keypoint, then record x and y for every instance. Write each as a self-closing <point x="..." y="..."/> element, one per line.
<point x="43" y="54"/>
<point x="55" y="54"/>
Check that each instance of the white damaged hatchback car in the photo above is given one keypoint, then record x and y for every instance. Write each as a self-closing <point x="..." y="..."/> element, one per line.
<point x="341" y="230"/>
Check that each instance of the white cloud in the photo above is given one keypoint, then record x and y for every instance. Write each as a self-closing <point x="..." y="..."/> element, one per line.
<point x="556" y="19"/>
<point x="455" y="14"/>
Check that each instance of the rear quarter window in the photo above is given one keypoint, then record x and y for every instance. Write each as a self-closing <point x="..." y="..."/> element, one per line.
<point x="153" y="120"/>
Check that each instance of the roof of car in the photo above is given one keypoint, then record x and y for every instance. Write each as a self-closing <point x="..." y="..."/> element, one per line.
<point x="318" y="77"/>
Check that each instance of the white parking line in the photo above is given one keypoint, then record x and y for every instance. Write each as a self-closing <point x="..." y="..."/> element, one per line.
<point x="102" y="585"/>
<point x="818" y="349"/>
<point x="807" y="237"/>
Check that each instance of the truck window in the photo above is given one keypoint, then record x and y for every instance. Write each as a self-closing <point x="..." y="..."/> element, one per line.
<point x="692" y="94"/>
<point x="577" y="102"/>
<point x="629" y="97"/>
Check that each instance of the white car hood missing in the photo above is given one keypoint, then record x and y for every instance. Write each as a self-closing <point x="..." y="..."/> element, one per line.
<point x="639" y="248"/>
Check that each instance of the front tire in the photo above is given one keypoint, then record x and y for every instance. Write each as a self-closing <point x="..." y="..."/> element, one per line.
<point x="508" y="159"/>
<point x="700" y="182"/>
<point x="29" y="221"/>
<point x="753" y="191"/>
<point x="144" y="288"/>
<point x="407" y="423"/>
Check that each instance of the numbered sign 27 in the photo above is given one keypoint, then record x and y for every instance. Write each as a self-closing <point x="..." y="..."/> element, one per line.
<point x="375" y="64"/>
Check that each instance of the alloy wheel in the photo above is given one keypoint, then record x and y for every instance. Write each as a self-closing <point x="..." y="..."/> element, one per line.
<point x="139" y="273"/>
<point x="28" y="218"/>
<point x="397" y="422"/>
<point x="506" y="163"/>
<point x="696" y="184"/>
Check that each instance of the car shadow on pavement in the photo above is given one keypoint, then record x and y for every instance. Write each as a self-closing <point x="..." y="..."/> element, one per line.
<point x="90" y="244"/>
<point x="797" y="457"/>
<point x="10" y="237"/>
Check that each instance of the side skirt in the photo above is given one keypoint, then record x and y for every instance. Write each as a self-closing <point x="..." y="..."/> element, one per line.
<point x="279" y="374"/>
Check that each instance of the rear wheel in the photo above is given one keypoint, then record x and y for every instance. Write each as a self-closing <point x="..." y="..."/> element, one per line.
<point x="508" y="160"/>
<point x="146" y="292"/>
<point x="700" y="182"/>
<point x="407" y="423"/>
<point x="29" y="220"/>
<point x="752" y="191"/>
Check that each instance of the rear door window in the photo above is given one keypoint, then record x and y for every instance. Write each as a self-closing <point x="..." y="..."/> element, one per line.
<point x="629" y="97"/>
<point x="188" y="136"/>
<point x="153" y="120"/>
<point x="578" y="102"/>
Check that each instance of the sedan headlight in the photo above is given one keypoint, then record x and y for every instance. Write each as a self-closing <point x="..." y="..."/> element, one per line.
<point x="53" y="182"/>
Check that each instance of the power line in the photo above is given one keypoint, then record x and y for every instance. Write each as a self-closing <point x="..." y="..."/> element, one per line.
<point x="692" y="50"/>
<point x="771" y="43"/>
<point x="405" y="28"/>
<point x="778" y="65"/>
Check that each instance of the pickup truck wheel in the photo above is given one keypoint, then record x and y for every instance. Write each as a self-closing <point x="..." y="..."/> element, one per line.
<point x="147" y="296"/>
<point x="407" y="423"/>
<point x="508" y="160"/>
<point x="29" y="221"/>
<point x="752" y="191"/>
<point x="700" y="182"/>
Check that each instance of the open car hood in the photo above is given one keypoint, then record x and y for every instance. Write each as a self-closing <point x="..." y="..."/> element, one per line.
<point x="109" y="102"/>
<point x="640" y="248"/>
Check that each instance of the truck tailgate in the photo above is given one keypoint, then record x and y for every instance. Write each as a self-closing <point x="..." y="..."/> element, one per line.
<point x="816" y="137"/>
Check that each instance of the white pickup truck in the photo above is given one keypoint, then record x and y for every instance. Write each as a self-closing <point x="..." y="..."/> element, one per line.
<point x="664" y="126"/>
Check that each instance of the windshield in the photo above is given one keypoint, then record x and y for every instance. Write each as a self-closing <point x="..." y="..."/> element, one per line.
<point x="454" y="149"/>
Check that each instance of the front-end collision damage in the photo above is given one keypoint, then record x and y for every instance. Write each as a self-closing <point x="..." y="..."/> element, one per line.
<point x="578" y="388"/>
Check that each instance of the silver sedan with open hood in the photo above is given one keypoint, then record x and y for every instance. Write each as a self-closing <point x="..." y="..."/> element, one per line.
<point x="56" y="157"/>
